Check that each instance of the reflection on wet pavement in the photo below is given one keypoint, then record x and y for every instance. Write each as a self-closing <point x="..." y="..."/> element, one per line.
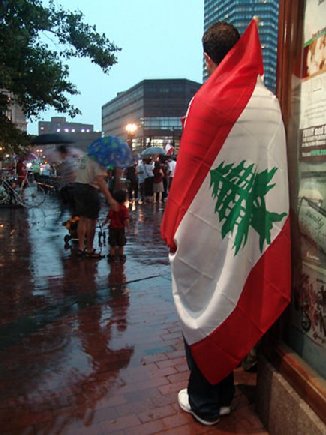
<point x="71" y="328"/>
<point x="92" y="348"/>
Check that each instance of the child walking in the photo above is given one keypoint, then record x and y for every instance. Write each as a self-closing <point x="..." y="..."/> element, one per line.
<point x="118" y="220"/>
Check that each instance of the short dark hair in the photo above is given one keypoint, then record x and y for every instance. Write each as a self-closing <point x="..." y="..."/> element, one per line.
<point x="219" y="39"/>
<point x="63" y="149"/>
<point x="120" y="196"/>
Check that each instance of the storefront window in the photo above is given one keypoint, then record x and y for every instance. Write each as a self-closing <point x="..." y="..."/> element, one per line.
<point x="306" y="332"/>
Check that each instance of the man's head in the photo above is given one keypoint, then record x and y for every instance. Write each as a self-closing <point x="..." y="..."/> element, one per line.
<point x="217" y="42"/>
<point x="63" y="149"/>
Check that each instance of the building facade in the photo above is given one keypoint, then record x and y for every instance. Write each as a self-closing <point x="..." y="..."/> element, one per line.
<point x="17" y="117"/>
<point x="14" y="112"/>
<point x="155" y="107"/>
<point x="240" y="13"/>
<point x="59" y="124"/>
<point x="81" y="134"/>
<point x="291" y="385"/>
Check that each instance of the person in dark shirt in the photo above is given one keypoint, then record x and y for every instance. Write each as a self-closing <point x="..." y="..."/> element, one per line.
<point x="21" y="170"/>
<point x="158" y="187"/>
<point x="66" y="175"/>
<point x="131" y="176"/>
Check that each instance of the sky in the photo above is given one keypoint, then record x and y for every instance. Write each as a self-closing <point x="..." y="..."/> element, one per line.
<point x="158" y="38"/>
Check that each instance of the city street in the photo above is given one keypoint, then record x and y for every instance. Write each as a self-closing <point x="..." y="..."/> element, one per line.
<point x="92" y="348"/>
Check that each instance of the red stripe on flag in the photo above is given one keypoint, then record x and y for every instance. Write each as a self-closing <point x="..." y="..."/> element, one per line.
<point x="214" y="111"/>
<point x="266" y="294"/>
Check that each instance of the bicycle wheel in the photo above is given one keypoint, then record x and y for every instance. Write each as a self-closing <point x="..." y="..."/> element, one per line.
<point x="33" y="195"/>
<point x="4" y="197"/>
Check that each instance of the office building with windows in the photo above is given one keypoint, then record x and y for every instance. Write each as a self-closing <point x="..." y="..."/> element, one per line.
<point x="14" y="112"/>
<point x="155" y="106"/>
<point x="59" y="124"/>
<point x="240" y="13"/>
<point x="80" y="134"/>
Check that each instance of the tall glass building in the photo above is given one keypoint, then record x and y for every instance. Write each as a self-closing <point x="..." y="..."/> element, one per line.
<point x="240" y="13"/>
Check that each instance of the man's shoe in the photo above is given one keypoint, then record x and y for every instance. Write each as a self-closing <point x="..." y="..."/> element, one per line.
<point x="225" y="410"/>
<point x="183" y="400"/>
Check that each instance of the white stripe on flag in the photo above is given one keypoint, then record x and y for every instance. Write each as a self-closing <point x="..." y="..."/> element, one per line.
<point x="207" y="279"/>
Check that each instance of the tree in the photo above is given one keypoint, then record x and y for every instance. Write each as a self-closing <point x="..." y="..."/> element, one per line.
<point x="36" y="41"/>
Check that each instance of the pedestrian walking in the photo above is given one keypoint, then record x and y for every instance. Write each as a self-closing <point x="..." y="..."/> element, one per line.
<point x="148" y="180"/>
<point x="21" y="170"/>
<point x="141" y="179"/>
<point x="118" y="220"/>
<point x="132" y="179"/>
<point x="66" y="175"/>
<point x="166" y="171"/>
<point x="158" y="188"/>
<point x="91" y="179"/>
<point x="172" y="165"/>
<point x="226" y="220"/>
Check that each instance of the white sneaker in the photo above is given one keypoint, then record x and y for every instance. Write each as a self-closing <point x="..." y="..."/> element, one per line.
<point x="183" y="400"/>
<point x="225" y="410"/>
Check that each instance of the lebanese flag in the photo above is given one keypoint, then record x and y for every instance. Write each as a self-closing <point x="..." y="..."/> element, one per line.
<point x="226" y="219"/>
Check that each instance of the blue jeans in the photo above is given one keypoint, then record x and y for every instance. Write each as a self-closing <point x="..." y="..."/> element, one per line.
<point x="206" y="399"/>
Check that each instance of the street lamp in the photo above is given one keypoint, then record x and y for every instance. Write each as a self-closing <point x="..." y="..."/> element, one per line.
<point x="131" y="129"/>
<point x="39" y="153"/>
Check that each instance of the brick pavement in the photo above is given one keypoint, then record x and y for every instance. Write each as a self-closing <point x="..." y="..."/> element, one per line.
<point x="89" y="348"/>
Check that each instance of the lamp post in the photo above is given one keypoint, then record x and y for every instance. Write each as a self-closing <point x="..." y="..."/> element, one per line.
<point x="131" y="129"/>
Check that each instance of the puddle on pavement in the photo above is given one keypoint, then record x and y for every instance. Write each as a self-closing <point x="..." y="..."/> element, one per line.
<point x="70" y="327"/>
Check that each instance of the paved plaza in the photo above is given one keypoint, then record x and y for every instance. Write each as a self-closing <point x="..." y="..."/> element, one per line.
<point x="92" y="348"/>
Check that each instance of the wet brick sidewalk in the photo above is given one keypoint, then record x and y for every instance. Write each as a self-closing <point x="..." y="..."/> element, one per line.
<point x="92" y="348"/>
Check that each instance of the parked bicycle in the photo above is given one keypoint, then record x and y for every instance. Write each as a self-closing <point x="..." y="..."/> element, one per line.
<point x="29" y="194"/>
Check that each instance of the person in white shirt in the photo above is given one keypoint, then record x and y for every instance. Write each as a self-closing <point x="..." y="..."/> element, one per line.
<point x="141" y="179"/>
<point x="172" y="165"/>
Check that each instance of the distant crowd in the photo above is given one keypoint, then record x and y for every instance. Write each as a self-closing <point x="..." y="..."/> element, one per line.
<point x="149" y="180"/>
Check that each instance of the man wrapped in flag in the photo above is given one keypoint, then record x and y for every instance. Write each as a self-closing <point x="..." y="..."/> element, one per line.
<point x="226" y="221"/>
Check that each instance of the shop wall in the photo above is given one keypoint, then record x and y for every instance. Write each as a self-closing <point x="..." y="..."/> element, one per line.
<point x="306" y="127"/>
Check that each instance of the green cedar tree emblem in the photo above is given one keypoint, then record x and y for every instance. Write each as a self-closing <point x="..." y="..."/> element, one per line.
<point x="240" y="201"/>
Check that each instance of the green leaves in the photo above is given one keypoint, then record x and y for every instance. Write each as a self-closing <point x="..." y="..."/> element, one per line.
<point x="35" y="42"/>
<point x="240" y="202"/>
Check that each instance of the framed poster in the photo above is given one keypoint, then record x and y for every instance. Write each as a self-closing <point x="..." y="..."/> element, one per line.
<point x="313" y="84"/>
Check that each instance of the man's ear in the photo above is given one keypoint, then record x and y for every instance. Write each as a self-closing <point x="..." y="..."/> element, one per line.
<point x="207" y="58"/>
<point x="210" y="65"/>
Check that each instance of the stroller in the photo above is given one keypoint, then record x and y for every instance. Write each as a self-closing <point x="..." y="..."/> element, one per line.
<point x="72" y="225"/>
